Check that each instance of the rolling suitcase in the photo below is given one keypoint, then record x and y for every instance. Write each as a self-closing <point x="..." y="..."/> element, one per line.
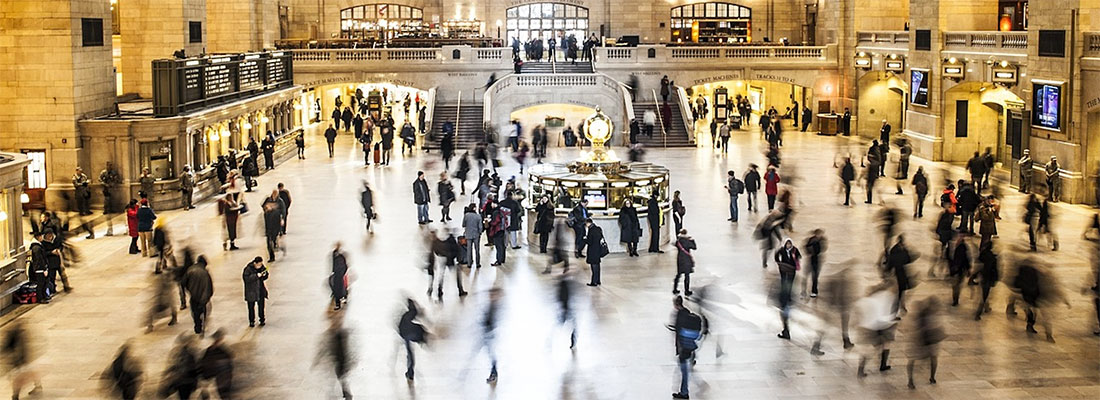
<point x="378" y="153"/>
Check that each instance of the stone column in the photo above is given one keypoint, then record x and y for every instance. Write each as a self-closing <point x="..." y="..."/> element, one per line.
<point x="154" y="29"/>
<point x="51" y="79"/>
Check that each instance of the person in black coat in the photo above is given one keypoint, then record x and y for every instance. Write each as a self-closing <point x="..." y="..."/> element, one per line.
<point x="752" y="185"/>
<point x="336" y="115"/>
<point x="847" y="175"/>
<point x="357" y="125"/>
<point x="366" y="199"/>
<point x="330" y="138"/>
<point x="347" y="119"/>
<point x="337" y="281"/>
<point x="544" y="222"/>
<point x="653" y="215"/>
<point x="200" y="288"/>
<point x="515" y="219"/>
<point x="594" y="239"/>
<point x="685" y="262"/>
<point x="268" y="148"/>
<point x="253" y="149"/>
<point x="988" y="276"/>
<point x="421" y="196"/>
<point x="898" y="260"/>
<point x="273" y="209"/>
<point x="447" y="148"/>
<point x="788" y="259"/>
<point x="446" y="192"/>
<point x="969" y="200"/>
<point x="255" y="291"/>
<point x="630" y="228"/>
<point x="958" y="268"/>
<point x="815" y="245"/>
<point x="576" y="220"/>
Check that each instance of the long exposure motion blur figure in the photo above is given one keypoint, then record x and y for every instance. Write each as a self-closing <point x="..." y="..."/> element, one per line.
<point x="788" y="259"/>
<point x="689" y="329"/>
<point x="124" y="374"/>
<point x="926" y="339"/>
<point x="411" y="331"/>
<point x="19" y="353"/>
<point x="877" y="323"/>
<point x="200" y="288"/>
<point x="338" y="279"/>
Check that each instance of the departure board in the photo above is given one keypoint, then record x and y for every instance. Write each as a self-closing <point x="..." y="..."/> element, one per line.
<point x="190" y="84"/>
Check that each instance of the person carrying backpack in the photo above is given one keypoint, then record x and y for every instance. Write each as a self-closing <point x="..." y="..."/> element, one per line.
<point x="498" y="222"/>
<point x="689" y="330"/>
<point x="735" y="188"/>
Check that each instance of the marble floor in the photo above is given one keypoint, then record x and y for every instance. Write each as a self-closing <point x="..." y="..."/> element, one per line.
<point x="623" y="350"/>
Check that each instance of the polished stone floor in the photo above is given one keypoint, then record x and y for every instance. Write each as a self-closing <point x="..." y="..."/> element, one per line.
<point x="624" y="350"/>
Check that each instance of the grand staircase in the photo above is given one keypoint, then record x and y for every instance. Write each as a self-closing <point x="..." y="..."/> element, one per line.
<point x="557" y="67"/>
<point x="678" y="135"/>
<point x="469" y="126"/>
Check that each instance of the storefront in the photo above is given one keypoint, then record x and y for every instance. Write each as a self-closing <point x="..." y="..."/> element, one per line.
<point x="381" y="22"/>
<point x="711" y="23"/>
<point x="13" y="260"/>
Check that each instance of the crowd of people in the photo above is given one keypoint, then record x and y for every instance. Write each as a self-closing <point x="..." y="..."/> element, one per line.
<point x="496" y="209"/>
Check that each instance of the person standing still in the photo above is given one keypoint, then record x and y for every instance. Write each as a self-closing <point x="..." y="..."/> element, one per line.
<point x="82" y="192"/>
<point x="653" y="216"/>
<point x="284" y="195"/>
<point x="596" y="245"/>
<point x="330" y="138"/>
<point x="110" y="179"/>
<point x="446" y="192"/>
<point x="752" y="185"/>
<point x="421" y="196"/>
<point x="724" y="135"/>
<point x="472" y="227"/>
<point x="366" y="199"/>
<point x="1054" y="182"/>
<point x="734" y="187"/>
<point x="300" y="143"/>
<point x="685" y="262"/>
<point x="576" y="220"/>
<point x="187" y="187"/>
<point x="146" y="180"/>
<point x="273" y="222"/>
<point x="678" y="211"/>
<point x="255" y="291"/>
<point x="1026" y="165"/>
<point x="146" y="218"/>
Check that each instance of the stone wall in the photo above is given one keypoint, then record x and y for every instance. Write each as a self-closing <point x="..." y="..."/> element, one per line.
<point x="227" y="20"/>
<point x="154" y="29"/>
<point x="51" y="79"/>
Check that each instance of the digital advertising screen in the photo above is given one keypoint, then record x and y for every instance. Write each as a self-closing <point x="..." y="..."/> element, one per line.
<point x="597" y="198"/>
<point x="1047" y="100"/>
<point x="918" y="87"/>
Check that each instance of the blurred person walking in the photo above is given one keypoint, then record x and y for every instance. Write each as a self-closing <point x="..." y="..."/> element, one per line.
<point x="788" y="259"/>
<point x="125" y="374"/>
<point x="162" y="302"/>
<point x="928" y="335"/>
<point x="920" y="188"/>
<point x="366" y="200"/>
<point x="815" y="247"/>
<point x="230" y="210"/>
<point x="200" y="288"/>
<point x="576" y="220"/>
<point x="336" y="350"/>
<point x="689" y="328"/>
<point x="273" y="216"/>
<point x="338" y="279"/>
<point x="216" y="365"/>
<point x="877" y="323"/>
<point x="987" y="276"/>
<point x="181" y="376"/>
<point x="446" y="192"/>
<point x="411" y="331"/>
<point x="19" y="353"/>
<point x="958" y="267"/>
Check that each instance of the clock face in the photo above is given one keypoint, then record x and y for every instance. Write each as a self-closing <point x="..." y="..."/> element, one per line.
<point x="599" y="128"/>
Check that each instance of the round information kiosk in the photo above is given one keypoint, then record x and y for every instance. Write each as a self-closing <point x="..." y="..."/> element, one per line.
<point x="605" y="182"/>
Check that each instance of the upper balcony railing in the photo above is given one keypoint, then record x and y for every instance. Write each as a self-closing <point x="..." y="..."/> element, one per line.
<point x="1014" y="43"/>
<point x="411" y="58"/>
<point x="883" y="39"/>
<point x="659" y="54"/>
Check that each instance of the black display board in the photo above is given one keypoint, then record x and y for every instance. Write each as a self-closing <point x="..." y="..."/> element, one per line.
<point x="186" y="85"/>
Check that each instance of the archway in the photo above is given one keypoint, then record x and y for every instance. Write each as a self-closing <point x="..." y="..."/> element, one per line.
<point x="881" y="97"/>
<point x="554" y="117"/>
<point x="976" y="116"/>
<point x="762" y="95"/>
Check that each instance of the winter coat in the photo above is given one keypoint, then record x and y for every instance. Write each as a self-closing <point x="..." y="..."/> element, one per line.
<point x="145" y="219"/>
<point x="969" y="199"/>
<point x="788" y="261"/>
<point x="630" y="228"/>
<point x="515" y="222"/>
<point x="421" y="193"/>
<point x="988" y="219"/>
<point x="132" y="221"/>
<point x="544" y="218"/>
<point x="446" y="192"/>
<point x="653" y="213"/>
<point x="593" y="239"/>
<point x="752" y="181"/>
<point x="771" y="182"/>
<point x="198" y="284"/>
<point x="254" y="287"/>
<point x="337" y="281"/>
<point x="989" y="272"/>
<point x="898" y="260"/>
<point x="366" y="199"/>
<point x="273" y="217"/>
<point x="685" y="262"/>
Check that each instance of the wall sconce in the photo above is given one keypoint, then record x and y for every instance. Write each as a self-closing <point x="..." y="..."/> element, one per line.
<point x="246" y="125"/>
<point x="264" y="119"/>
<point x="24" y="198"/>
<point x="863" y="61"/>
<point x="1005" y="73"/>
<point x="894" y="63"/>
<point x="954" y="69"/>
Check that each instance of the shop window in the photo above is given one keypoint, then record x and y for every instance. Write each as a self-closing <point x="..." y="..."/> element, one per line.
<point x="91" y="30"/>
<point x="194" y="29"/>
<point x="157" y="156"/>
<point x="714" y="22"/>
<point x="381" y="22"/>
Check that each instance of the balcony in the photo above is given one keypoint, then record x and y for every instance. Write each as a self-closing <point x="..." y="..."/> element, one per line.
<point x="883" y="41"/>
<point x="714" y="56"/>
<point x="986" y="42"/>
<point x="394" y="60"/>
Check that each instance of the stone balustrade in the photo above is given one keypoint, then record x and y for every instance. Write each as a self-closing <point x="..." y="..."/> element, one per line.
<point x="1014" y="43"/>
<point x="898" y="40"/>
<point x="659" y="55"/>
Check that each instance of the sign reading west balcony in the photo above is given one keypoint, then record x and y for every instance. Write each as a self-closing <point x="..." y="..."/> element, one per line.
<point x="186" y="85"/>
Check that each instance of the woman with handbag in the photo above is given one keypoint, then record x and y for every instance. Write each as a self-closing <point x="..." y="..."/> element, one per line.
<point x="597" y="249"/>
<point x="231" y="210"/>
<point x="630" y="228"/>
<point x="685" y="262"/>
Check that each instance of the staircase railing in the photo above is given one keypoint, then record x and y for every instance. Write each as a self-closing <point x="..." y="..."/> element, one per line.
<point x="628" y="105"/>
<point x="458" y="114"/>
<point x="429" y="116"/>
<point x="685" y="113"/>
<point x="660" y="119"/>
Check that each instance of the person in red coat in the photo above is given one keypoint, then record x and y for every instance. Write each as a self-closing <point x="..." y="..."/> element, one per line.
<point x="771" y="186"/>
<point x="132" y="225"/>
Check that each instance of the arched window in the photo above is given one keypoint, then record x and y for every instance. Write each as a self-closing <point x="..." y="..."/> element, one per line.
<point x="378" y="21"/>
<point x="543" y="20"/>
<point x="711" y="23"/>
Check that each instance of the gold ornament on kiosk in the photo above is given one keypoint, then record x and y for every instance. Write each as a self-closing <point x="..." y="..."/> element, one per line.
<point x="598" y="128"/>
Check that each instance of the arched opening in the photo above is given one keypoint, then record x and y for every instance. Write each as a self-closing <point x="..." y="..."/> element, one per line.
<point x="712" y="22"/>
<point x="881" y="97"/>
<point x="761" y="95"/>
<point x="381" y="22"/>
<point x="976" y="116"/>
<point x="555" y="118"/>
<point x="546" y="20"/>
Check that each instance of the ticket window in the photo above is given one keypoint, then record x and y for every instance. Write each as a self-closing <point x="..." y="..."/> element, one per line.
<point x="158" y="157"/>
